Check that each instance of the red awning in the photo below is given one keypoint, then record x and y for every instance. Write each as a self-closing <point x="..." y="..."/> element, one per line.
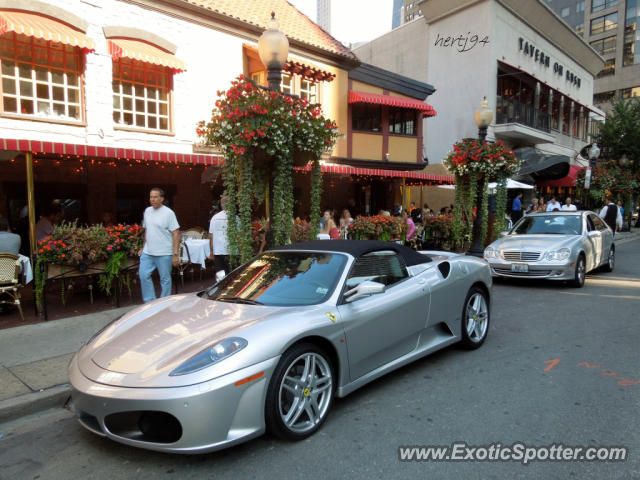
<point x="45" y="28"/>
<point x="380" y="172"/>
<point x="378" y="99"/>
<point x="112" y="153"/>
<point x="568" y="181"/>
<point x="144" y="52"/>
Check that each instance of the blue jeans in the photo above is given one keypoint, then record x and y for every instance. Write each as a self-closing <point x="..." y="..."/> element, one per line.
<point x="148" y="263"/>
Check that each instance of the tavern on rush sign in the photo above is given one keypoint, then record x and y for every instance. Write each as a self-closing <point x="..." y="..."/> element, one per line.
<point x="543" y="59"/>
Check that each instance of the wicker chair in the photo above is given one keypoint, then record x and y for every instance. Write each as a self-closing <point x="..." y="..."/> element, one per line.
<point x="10" y="280"/>
<point x="184" y="259"/>
<point x="192" y="233"/>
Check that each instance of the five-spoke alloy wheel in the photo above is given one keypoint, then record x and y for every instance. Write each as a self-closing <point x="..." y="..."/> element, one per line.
<point x="300" y="392"/>
<point x="475" y="318"/>
<point x="580" y="272"/>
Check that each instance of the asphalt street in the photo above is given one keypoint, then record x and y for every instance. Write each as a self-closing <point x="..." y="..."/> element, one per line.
<point x="560" y="366"/>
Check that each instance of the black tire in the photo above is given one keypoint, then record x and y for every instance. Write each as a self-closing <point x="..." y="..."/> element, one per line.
<point x="580" y="272"/>
<point x="611" y="261"/>
<point x="281" y="397"/>
<point x="476" y="308"/>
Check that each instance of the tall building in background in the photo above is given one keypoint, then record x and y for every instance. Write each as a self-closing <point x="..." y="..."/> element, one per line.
<point x="324" y="14"/>
<point x="411" y="10"/>
<point x="396" y="18"/>
<point x="612" y="28"/>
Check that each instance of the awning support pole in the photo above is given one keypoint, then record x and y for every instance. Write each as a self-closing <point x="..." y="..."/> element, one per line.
<point x="31" y="205"/>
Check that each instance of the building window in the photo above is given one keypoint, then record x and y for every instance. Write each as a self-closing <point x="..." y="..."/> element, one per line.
<point x="631" y="92"/>
<point x="604" y="97"/>
<point x="402" y="121"/>
<point x="580" y="29"/>
<point x="602" y="24"/>
<point x="580" y="7"/>
<point x="309" y="90"/>
<point x="609" y="68"/>
<point x="40" y="78"/>
<point x="605" y="46"/>
<point x="597" y="5"/>
<point x="365" y="117"/>
<point x="565" y="12"/>
<point x="141" y="95"/>
<point x="286" y="85"/>
<point x="631" y="47"/>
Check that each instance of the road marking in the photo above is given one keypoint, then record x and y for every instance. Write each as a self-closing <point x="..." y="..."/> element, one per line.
<point x="552" y="363"/>
<point x="605" y="372"/>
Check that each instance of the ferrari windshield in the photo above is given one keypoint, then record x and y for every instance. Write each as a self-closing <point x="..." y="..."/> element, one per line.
<point x="282" y="279"/>
<point x="549" y="225"/>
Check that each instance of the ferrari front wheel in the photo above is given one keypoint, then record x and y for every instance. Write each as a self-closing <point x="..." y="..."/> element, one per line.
<point x="300" y="392"/>
<point x="475" y="318"/>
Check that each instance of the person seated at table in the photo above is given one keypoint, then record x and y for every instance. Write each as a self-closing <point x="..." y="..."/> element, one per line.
<point x="9" y="242"/>
<point x="329" y="223"/>
<point x="45" y="225"/>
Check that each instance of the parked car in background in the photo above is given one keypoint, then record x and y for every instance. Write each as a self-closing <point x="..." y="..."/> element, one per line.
<point x="553" y="246"/>
<point x="270" y="345"/>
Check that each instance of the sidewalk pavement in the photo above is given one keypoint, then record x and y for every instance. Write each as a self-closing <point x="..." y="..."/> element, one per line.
<point x="34" y="358"/>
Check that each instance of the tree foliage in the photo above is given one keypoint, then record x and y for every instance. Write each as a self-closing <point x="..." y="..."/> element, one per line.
<point x="620" y="133"/>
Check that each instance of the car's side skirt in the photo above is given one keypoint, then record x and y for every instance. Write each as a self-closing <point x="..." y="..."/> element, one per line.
<point x="423" y="350"/>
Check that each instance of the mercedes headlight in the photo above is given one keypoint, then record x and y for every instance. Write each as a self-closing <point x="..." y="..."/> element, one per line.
<point x="212" y="355"/>
<point x="558" y="255"/>
<point x="491" y="252"/>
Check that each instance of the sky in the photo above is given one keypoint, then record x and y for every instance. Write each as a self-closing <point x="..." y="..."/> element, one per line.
<point x="353" y="20"/>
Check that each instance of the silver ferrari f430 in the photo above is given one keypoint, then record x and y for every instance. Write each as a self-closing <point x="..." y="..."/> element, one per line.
<point x="268" y="347"/>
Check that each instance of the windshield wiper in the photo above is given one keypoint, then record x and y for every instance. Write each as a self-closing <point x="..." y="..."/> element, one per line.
<point x="245" y="301"/>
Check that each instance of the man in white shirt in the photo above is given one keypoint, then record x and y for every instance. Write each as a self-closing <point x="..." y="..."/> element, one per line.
<point x="218" y="240"/>
<point x="568" y="206"/>
<point x="611" y="215"/>
<point x="553" y="205"/>
<point x="161" y="246"/>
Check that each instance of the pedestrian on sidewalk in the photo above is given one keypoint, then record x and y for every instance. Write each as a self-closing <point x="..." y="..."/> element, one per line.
<point x="611" y="215"/>
<point x="161" y="246"/>
<point x="516" y="208"/>
<point x="218" y="240"/>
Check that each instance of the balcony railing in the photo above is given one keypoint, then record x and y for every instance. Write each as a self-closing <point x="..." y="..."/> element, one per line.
<point x="512" y="111"/>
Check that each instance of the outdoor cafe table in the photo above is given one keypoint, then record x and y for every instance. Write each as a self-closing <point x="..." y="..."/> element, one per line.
<point x="27" y="272"/>
<point x="198" y="251"/>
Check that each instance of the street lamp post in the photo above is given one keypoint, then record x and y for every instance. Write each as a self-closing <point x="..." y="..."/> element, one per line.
<point x="623" y="162"/>
<point x="483" y="118"/>
<point x="594" y="153"/>
<point x="273" y="48"/>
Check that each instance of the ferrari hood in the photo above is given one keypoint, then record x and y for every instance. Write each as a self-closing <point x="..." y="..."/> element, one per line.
<point x="533" y="242"/>
<point x="151" y="341"/>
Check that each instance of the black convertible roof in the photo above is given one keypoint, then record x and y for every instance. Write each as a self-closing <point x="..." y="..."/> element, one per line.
<point x="357" y="248"/>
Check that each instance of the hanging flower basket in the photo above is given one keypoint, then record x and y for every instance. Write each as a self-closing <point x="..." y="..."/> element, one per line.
<point x="492" y="161"/>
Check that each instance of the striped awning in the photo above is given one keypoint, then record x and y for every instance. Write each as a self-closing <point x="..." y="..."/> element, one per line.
<point x="144" y="52"/>
<point x="381" y="172"/>
<point x="109" y="153"/>
<point x="391" y="100"/>
<point x="45" y="28"/>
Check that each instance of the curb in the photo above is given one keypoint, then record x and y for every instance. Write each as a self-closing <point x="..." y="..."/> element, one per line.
<point x="35" y="402"/>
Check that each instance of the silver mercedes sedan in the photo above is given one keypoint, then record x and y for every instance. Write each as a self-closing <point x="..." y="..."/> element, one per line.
<point x="268" y="347"/>
<point x="554" y="246"/>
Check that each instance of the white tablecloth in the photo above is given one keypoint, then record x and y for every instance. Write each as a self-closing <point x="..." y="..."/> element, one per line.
<point x="198" y="251"/>
<point x="27" y="272"/>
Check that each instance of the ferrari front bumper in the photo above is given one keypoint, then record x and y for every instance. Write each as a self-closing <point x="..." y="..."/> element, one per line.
<point x="191" y="419"/>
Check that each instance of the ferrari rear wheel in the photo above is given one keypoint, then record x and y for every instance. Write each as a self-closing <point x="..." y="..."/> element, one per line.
<point x="580" y="272"/>
<point x="300" y="393"/>
<point x="475" y="318"/>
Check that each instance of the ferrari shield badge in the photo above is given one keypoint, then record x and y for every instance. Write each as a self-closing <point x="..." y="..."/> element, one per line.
<point x="332" y="316"/>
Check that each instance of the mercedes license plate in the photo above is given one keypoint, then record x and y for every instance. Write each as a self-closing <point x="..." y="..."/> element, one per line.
<point x="519" y="267"/>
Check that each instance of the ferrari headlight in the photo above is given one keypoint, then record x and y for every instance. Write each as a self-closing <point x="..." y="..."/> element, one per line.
<point x="491" y="252"/>
<point x="558" y="255"/>
<point x="212" y="355"/>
